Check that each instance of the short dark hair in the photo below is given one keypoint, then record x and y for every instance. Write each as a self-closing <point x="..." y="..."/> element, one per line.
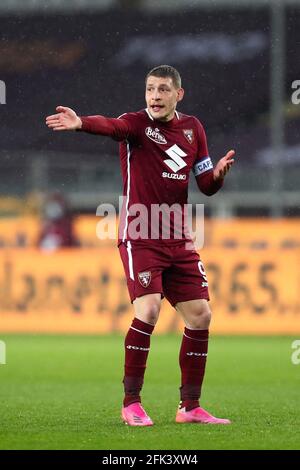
<point x="166" y="71"/>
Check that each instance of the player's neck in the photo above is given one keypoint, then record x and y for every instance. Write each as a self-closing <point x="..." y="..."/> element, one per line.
<point x="168" y="119"/>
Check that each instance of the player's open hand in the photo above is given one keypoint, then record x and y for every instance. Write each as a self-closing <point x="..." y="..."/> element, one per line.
<point x="65" y="120"/>
<point x="223" y="166"/>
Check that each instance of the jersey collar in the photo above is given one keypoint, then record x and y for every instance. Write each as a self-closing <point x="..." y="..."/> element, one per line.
<point x="172" y="120"/>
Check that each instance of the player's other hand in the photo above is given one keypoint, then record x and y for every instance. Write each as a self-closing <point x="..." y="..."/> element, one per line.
<point x="65" y="120"/>
<point x="223" y="166"/>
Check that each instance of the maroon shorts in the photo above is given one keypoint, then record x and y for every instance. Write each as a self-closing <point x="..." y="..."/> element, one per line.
<point x="175" y="272"/>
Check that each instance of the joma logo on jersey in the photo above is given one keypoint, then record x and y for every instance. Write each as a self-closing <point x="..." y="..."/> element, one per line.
<point x="155" y="135"/>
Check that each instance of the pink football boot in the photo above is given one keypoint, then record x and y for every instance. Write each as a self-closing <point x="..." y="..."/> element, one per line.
<point x="135" y="415"/>
<point x="198" y="415"/>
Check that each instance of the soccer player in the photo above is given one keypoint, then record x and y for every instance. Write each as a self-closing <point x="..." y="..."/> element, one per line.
<point x="158" y="148"/>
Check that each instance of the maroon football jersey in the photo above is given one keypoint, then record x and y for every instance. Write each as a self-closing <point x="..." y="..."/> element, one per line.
<point x="156" y="160"/>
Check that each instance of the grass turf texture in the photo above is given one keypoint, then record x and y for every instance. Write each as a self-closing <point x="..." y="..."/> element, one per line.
<point x="65" y="392"/>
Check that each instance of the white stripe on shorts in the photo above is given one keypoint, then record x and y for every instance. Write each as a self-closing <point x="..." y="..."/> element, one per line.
<point x="130" y="261"/>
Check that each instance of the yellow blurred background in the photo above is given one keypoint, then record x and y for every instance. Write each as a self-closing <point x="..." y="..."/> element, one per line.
<point x="253" y="268"/>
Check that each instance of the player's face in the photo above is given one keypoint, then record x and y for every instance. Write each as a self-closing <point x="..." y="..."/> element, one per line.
<point x="162" y="97"/>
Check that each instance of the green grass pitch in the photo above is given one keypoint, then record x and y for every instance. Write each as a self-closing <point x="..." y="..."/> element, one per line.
<point x="65" y="392"/>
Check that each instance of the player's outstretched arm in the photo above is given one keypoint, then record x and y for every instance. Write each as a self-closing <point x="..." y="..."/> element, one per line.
<point x="65" y="120"/>
<point x="223" y="166"/>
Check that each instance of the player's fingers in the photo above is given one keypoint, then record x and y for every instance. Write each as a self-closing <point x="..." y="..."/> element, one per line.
<point x="230" y="162"/>
<point x="61" y="109"/>
<point x="53" y="116"/>
<point x="60" y="128"/>
<point x="54" y="119"/>
<point x="229" y="154"/>
<point x="226" y="169"/>
<point x="53" y="123"/>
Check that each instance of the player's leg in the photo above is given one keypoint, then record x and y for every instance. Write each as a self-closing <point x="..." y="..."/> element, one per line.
<point x="186" y="288"/>
<point x="137" y="346"/>
<point x="193" y="353"/>
<point x="143" y="274"/>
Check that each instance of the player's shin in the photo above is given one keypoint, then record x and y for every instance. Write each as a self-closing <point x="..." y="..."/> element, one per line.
<point x="137" y="345"/>
<point x="192" y="359"/>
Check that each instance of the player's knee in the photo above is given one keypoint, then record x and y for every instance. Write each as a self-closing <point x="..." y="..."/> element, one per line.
<point x="206" y="316"/>
<point x="150" y="312"/>
<point x="201" y="318"/>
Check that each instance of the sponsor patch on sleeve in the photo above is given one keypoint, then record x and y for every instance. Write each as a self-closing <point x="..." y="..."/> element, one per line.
<point x="201" y="166"/>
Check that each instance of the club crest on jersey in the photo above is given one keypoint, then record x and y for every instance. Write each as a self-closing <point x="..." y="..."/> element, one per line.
<point x="155" y="135"/>
<point x="144" y="278"/>
<point x="189" y="135"/>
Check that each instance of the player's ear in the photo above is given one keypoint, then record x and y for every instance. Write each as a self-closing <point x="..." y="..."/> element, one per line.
<point x="180" y="94"/>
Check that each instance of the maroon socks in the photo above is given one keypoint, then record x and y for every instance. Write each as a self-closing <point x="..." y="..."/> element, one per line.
<point x="192" y="360"/>
<point x="137" y="345"/>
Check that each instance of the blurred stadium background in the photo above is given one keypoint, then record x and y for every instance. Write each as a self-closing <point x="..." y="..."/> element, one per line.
<point x="238" y="60"/>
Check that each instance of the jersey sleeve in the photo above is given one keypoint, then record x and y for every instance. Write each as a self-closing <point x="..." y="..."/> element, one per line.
<point x="203" y="166"/>
<point x="122" y="128"/>
<point x="202" y="163"/>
